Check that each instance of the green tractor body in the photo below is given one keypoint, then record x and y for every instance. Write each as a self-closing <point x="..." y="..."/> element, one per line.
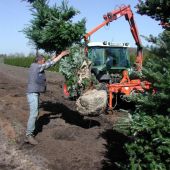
<point x="108" y="60"/>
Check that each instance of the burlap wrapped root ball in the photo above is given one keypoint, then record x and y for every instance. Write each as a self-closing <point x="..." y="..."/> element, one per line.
<point x="93" y="102"/>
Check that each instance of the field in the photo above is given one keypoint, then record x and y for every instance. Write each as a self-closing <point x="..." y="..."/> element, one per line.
<point x="67" y="141"/>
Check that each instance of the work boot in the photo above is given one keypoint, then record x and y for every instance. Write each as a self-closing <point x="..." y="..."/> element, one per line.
<point x="30" y="139"/>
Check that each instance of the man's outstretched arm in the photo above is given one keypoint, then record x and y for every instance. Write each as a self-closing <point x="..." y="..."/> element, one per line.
<point x="53" y="61"/>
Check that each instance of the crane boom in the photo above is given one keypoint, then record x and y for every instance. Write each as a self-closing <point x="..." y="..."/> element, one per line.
<point x="114" y="15"/>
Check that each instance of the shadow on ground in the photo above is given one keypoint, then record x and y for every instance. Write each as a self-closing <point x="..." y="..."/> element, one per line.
<point x="59" y="110"/>
<point x="115" y="153"/>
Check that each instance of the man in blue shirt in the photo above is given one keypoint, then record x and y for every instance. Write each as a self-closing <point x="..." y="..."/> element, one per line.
<point x="37" y="85"/>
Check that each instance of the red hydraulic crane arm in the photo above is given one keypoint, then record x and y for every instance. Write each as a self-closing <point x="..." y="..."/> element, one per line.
<point x="87" y="35"/>
<point x="114" y="15"/>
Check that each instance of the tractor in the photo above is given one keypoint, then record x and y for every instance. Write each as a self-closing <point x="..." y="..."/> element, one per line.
<point x="110" y="60"/>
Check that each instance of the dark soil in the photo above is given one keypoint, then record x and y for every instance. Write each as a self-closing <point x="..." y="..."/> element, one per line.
<point x="67" y="140"/>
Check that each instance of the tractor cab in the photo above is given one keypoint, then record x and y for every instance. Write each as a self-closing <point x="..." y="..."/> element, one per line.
<point x="108" y="60"/>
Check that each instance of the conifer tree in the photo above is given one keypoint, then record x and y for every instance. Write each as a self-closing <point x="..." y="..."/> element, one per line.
<point x="156" y="9"/>
<point x="150" y="147"/>
<point x="52" y="28"/>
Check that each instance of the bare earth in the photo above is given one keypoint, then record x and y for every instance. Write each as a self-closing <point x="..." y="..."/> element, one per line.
<point x="67" y="141"/>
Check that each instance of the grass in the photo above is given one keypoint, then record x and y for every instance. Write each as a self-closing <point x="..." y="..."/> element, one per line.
<point x="26" y="62"/>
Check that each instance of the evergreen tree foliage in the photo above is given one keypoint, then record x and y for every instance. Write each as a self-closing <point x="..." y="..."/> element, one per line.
<point x="70" y="67"/>
<point x="52" y="28"/>
<point x="157" y="9"/>
<point x="157" y="71"/>
<point x="30" y="1"/>
<point x="150" y="147"/>
<point x="150" y="125"/>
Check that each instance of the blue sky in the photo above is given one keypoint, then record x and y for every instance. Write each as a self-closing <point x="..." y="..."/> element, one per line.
<point x="15" y="15"/>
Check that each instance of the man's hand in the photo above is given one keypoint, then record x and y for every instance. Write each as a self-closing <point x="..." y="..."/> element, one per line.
<point x="64" y="53"/>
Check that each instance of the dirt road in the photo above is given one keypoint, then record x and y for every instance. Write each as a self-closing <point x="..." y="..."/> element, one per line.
<point x="67" y="141"/>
